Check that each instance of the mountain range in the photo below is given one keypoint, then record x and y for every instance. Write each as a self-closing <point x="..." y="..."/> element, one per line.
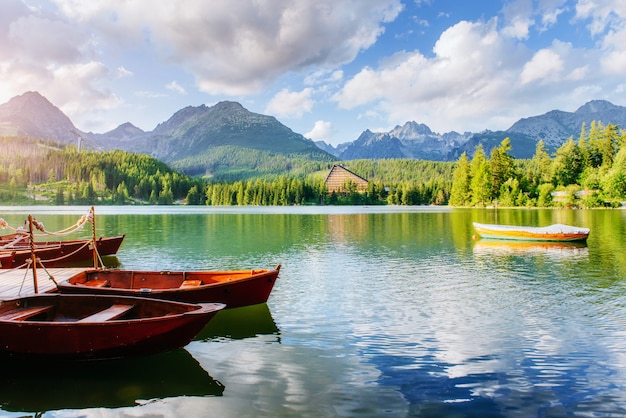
<point x="197" y="131"/>
<point x="414" y="140"/>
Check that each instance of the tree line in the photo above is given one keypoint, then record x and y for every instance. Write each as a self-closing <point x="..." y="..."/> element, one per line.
<point x="589" y="172"/>
<point x="33" y="170"/>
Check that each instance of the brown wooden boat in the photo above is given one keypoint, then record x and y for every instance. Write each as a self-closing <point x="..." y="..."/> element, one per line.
<point x="57" y="253"/>
<point x="87" y="327"/>
<point x="234" y="288"/>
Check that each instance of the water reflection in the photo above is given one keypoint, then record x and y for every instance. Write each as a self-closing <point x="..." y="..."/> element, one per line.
<point x="109" y="261"/>
<point x="39" y="387"/>
<point x="240" y="323"/>
<point x="383" y="313"/>
<point x="484" y="247"/>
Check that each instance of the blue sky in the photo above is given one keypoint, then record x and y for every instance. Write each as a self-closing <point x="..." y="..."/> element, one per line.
<point x="328" y="69"/>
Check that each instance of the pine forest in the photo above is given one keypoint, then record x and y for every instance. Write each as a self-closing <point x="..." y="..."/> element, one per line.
<point x="589" y="171"/>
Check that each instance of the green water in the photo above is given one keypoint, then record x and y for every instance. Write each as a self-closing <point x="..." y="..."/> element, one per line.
<point x="377" y="312"/>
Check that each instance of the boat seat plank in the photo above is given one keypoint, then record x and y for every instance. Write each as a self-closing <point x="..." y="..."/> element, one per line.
<point x="22" y="314"/>
<point x="98" y="283"/>
<point x="112" y="312"/>
<point x="191" y="283"/>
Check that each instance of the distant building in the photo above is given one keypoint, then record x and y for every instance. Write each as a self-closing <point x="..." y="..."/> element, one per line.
<point x="340" y="177"/>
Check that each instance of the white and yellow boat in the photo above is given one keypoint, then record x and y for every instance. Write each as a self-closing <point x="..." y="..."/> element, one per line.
<point x="555" y="233"/>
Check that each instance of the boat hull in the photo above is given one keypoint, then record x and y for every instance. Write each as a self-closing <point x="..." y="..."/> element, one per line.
<point x="552" y="233"/>
<point x="63" y="332"/>
<point x="60" y="253"/>
<point x="233" y="288"/>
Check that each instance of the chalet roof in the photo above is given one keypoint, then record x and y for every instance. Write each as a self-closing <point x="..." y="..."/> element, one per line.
<point x="338" y="167"/>
<point x="339" y="175"/>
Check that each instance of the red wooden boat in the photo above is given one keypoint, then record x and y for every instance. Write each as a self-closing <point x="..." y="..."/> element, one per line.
<point x="83" y="327"/>
<point x="234" y="288"/>
<point x="57" y="253"/>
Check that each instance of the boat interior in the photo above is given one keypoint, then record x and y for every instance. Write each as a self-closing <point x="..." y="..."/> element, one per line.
<point x="157" y="280"/>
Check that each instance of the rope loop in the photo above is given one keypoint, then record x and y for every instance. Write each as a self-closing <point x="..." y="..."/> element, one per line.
<point x="39" y="226"/>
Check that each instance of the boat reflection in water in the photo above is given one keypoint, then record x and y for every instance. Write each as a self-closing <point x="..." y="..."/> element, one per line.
<point x="109" y="261"/>
<point x="240" y="323"/>
<point x="39" y="387"/>
<point x="502" y="247"/>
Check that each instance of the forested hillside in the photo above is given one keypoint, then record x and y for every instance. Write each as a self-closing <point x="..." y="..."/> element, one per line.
<point x="44" y="172"/>
<point x="393" y="181"/>
<point x="589" y="172"/>
<point x="229" y="164"/>
<point x="34" y="171"/>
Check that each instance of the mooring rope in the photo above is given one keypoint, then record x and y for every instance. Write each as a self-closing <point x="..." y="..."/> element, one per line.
<point x="64" y="256"/>
<point x="21" y="230"/>
<point x="10" y="245"/>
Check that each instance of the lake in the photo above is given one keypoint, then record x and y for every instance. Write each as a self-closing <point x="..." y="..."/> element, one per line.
<point x="378" y="311"/>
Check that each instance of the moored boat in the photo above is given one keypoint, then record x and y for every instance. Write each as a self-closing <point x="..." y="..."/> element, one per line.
<point x="58" y="253"/>
<point x="556" y="232"/>
<point x="86" y="327"/>
<point x="234" y="288"/>
<point x="24" y="244"/>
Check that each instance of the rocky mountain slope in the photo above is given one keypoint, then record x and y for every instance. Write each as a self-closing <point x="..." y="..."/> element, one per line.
<point x="32" y="115"/>
<point x="190" y="132"/>
<point x="194" y="131"/>
<point x="413" y="140"/>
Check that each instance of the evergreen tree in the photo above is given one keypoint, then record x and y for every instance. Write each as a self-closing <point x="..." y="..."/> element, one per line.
<point x="609" y="142"/>
<point x="539" y="169"/>
<point x="480" y="184"/>
<point x="460" y="193"/>
<point x="501" y="167"/>
<point x="567" y="166"/>
<point x="59" y="199"/>
<point x="614" y="182"/>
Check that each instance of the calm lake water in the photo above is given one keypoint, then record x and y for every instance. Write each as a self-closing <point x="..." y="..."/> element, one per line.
<point x="391" y="311"/>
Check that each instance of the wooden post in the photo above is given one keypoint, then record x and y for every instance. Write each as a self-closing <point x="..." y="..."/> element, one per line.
<point x="93" y="238"/>
<point x="33" y="257"/>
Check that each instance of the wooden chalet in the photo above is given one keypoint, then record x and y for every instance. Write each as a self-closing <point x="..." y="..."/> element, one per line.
<point x="340" y="177"/>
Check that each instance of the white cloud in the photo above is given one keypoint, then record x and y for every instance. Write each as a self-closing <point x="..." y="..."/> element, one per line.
<point x="545" y="66"/>
<point x="123" y="72"/>
<point x="579" y="73"/>
<point x="174" y="86"/>
<point x="614" y="45"/>
<point x="517" y="15"/>
<point x="72" y="88"/>
<point x="549" y="12"/>
<point x="602" y="13"/>
<point x="290" y="104"/>
<point x="480" y="77"/>
<point x="149" y="94"/>
<point x="322" y="131"/>
<point x="238" y="47"/>
<point x="39" y="51"/>
<point x="41" y="40"/>
<point x="323" y="77"/>
<point x="470" y="74"/>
